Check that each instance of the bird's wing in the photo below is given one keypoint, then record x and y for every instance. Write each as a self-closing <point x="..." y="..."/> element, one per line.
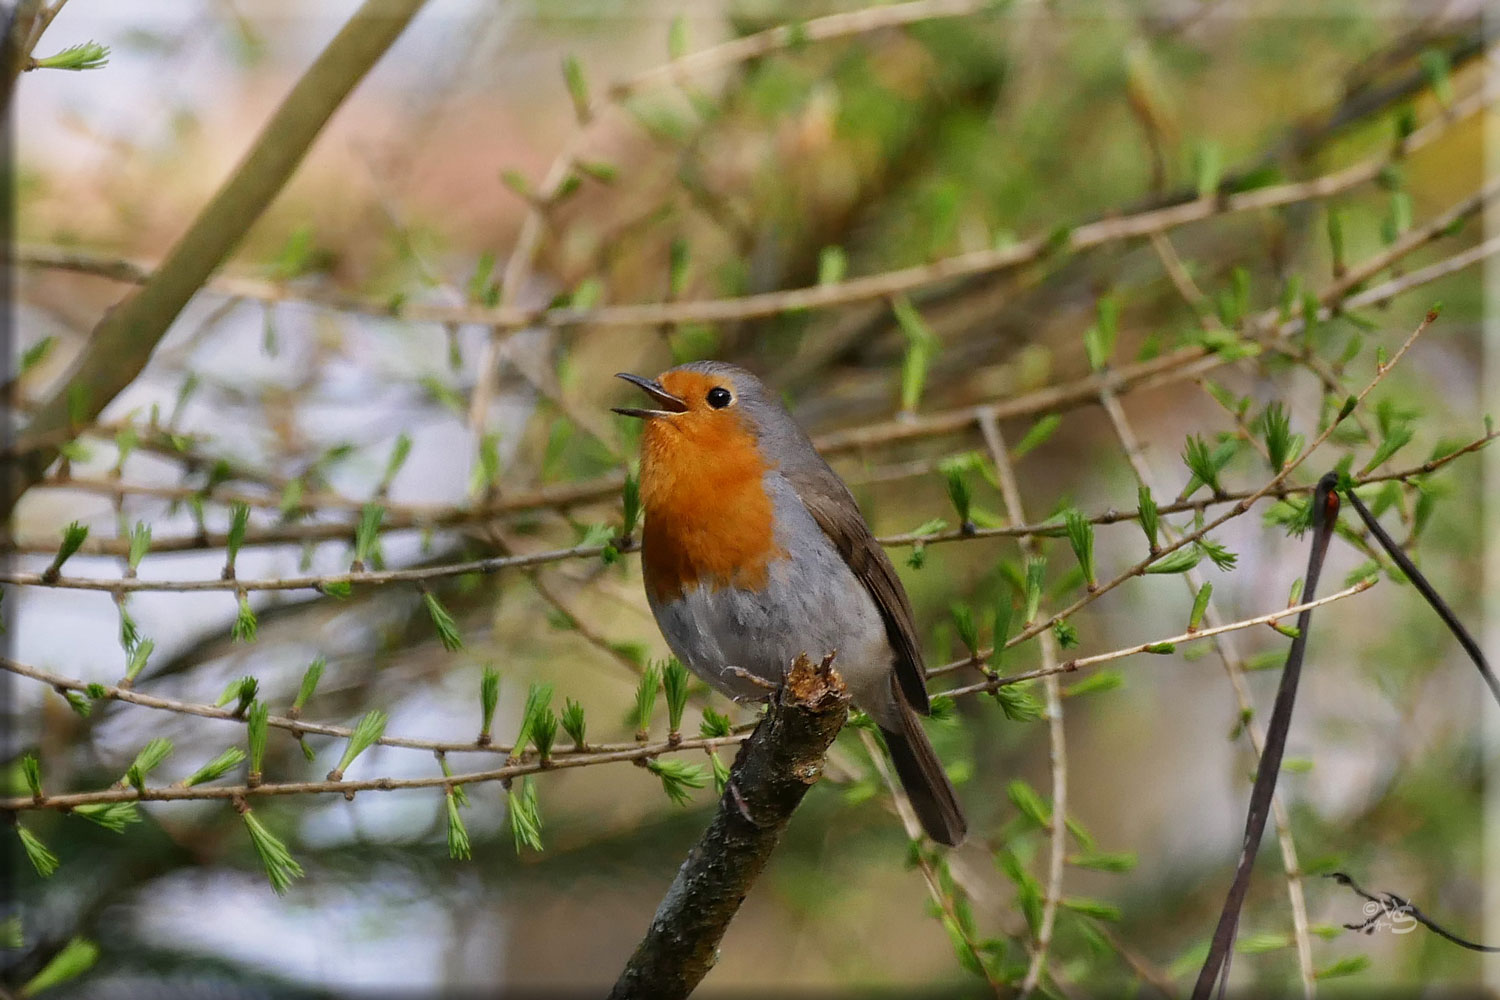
<point x="831" y="504"/>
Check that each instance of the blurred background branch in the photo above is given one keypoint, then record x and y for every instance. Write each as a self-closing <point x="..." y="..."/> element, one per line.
<point x="122" y="342"/>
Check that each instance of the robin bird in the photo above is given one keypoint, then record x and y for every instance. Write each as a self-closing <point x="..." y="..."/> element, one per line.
<point x="754" y="551"/>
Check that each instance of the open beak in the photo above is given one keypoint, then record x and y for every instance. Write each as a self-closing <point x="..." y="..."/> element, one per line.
<point x="670" y="403"/>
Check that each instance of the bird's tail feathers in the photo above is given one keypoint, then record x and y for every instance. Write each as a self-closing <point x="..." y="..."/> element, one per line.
<point x="921" y="773"/>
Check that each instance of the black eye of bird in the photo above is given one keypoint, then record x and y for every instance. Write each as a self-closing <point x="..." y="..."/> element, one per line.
<point x="719" y="397"/>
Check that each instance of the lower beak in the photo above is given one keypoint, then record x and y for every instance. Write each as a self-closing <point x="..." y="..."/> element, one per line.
<point x="670" y="403"/>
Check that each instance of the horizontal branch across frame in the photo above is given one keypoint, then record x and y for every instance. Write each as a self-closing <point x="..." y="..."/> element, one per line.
<point x="1184" y="363"/>
<point x="1085" y="236"/>
<point x="528" y="762"/>
<point x="495" y="564"/>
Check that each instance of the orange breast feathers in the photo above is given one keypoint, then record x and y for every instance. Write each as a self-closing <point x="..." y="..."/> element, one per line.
<point x="708" y="518"/>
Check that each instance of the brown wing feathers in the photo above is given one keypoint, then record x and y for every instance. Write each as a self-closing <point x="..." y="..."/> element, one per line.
<point x="833" y="507"/>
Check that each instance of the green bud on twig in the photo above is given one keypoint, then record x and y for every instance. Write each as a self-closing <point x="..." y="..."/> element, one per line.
<point x="1200" y="605"/>
<point x="31" y="768"/>
<point x="1029" y="803"/>
<point x="310" y="678"/>
<point x="1066" y="634"/>
<point x="715" y="725"/>
<point x="1036" y="571"/>
<point x="367" y="537"/>
<point x="72" y="539"/>
<point x="458" y="835"/>
<point x="963" y="624"/>
<point x="674" y="679"/>
<point x="147" y="760"/>
<point x="399" y="452"/>
<point x="525" y="816"/>
<point x="239" y="520"/>
<point x="459" y="795"/>
<point x="720" y="771"/>
<point x="216" y="768"/>
<point x="1281" y="443"/>
<point x="678" y="777"/>
<point x="1081" y="538"/>
<point x="140" y="544"/>
<point x="241" y="690"/>
<point x="1104" y="680"/>
<point x="489" y="697"/>
<point x="447" y="629"/>
<point x="538" y="723"/>
<point x="1205" y="463"/>
<point x="1036" y="435"/>
<point x="1018" y="704"/>
<point x="573" y="723"/>
<point x="43" y="860"/>
<point x="1178" y="561"/>
<point x="367" y="731"/>
<point x="113" y="816"/>
<point x="257" y="721"/>
<point x="631" y="498"/>
<point x="955" y="477"/>
<point x="1150" y="523"/>
<point x="1099" y="339"/>
<point x="281" y="868"/>
<point x="89" y="55"/>
<point x="645" y="701"/>
<point x="244" y="621"/>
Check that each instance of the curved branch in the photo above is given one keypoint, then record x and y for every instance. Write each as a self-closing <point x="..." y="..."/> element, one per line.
<point x="772" y="772"/>
<point x="495" y="564"/>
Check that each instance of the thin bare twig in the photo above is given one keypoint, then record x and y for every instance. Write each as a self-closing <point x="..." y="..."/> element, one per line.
<point x="603" y="753"/>
<point x="1213" y="631"/>
<point x="495" y="564"/>
<point x="1010" y="492"/>
<point x="1141" y="648"/>
<point x="344" y="531"/>
<point x="1271" y="486"/>
<point x="913" y="828"/>
<point x="1234" y="668"/>
<point x="300" y="727"/>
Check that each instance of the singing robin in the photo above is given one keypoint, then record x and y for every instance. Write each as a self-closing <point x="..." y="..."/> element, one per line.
<point x="754" y="551"/>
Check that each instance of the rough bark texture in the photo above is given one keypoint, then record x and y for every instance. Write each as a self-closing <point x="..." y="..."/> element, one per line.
<point x="772" y="772"/>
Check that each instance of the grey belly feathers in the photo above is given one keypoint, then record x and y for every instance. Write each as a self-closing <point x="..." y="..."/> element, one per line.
<point x="812" y="604"/>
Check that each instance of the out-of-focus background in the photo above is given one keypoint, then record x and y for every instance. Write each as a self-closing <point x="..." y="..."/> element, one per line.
<point x="808" y="158"/>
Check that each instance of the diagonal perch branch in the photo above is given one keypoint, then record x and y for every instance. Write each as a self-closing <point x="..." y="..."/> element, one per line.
<point x="772" y="772"/>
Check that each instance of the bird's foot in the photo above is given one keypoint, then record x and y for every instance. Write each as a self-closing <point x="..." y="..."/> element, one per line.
<point x="754" y="680"/>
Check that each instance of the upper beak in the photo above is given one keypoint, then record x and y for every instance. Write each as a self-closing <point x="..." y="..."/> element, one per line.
<point x="670" y="403"/>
